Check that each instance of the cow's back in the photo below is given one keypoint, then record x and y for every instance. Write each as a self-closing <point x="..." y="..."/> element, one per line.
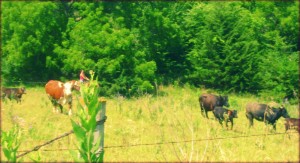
<point x="9" y="91"/>
<point x="208" y="101"/>
<point x="219" y="111"/>
<point x="255" y="107"/>
<point x="55" y="89"/>
<point x="256" y="110"/>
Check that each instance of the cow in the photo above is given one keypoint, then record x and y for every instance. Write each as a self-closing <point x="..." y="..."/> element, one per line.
<point x="292" y="123"/>
<point x="13" y="93"/>
<point x="209" y="101"/>
<point x="60" y="93"/>
<point x="263" y="112"/>
<point x="222" y="114"/>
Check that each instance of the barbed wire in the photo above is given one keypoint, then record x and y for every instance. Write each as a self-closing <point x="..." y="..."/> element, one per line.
<point x="100" y="122"/>
<point x="48" y="142"/>
<point x="196" y="140"/>
<point x="143" y="144"/>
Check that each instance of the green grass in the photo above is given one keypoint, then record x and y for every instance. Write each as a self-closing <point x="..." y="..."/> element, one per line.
<point x="173" y="116"/>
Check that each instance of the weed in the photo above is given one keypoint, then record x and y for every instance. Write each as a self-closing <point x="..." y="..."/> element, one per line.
<point x="84" y="130"/>
<point x="11" y="141"/>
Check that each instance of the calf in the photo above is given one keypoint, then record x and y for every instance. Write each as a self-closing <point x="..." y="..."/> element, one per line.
<point x="226" y="115"/>
<point x="13" y="93"/>
<point x="209" y="101"/>
<point x="291" y="123"/>
<point x="263" y="112"/>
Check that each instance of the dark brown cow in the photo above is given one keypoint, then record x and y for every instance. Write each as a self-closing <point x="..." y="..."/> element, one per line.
<point x="209" y="101"/>
<point x="292" y="123"/>
<point x="265" y="113"/>
<point x="61" y="93"/>
<point x="13" y="93"/>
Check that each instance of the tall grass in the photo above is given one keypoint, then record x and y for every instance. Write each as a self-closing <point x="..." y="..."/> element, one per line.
<point x="172" y="116"/>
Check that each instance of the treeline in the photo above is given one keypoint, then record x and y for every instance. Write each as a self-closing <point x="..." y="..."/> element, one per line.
<point x="246" y="46"/>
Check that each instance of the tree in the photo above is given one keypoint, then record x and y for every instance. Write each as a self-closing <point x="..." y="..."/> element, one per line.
<point x="29" y="32"/>
<point x="100" y="41"/>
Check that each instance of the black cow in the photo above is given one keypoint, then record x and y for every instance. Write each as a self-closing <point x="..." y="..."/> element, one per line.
<point x="226" y="115"/>
<point x="292" y="123"/>
<point x="209" y="101"/>
<point x="263" y="112"/>
<point x="13" y="93"/>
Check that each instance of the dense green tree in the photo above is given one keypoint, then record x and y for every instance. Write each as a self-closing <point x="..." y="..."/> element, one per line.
<point x="30" y="30"/>
<point x="226" y="57"/>
<point x="236" y="49"/>
<point x="245" y="46"/>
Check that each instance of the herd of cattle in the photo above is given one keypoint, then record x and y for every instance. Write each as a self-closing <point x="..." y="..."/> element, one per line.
<point x="262" y="112"/>
<point x="60" y="93"/>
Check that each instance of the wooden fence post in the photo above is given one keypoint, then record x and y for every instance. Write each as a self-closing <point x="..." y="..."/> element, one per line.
<point x="99" y="131"/>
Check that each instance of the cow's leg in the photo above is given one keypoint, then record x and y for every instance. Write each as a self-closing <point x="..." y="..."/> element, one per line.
<point x="226" y="122"/>
<point x="55" y="104"/>
<point x="206" y="114"/>
<point x="211" y="108"/>
<point x="231" y="120"/>
<point x="18" y="99"/>
<point x="60" y="107"/>
<point x="202" y="109"/>
<point x="9" y="97"/>
<point x="286" y="126"/>
<point x="3" y="96"/>
<point x="70" y="109"/>
<point x="221" y="122"/>
<point x="216" y="118"/>
<point x="250" y="118"/>
<point x="56" y="109"/>
<point x="274" y="126"/>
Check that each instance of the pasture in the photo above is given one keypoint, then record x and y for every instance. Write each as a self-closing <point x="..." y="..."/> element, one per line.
<point x="168" y="127"/>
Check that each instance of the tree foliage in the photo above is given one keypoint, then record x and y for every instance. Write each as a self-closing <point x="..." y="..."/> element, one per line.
<point x="247" y="46"/>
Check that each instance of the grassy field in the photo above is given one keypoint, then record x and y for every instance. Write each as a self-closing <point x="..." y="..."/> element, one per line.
<point x="173" y="116"/>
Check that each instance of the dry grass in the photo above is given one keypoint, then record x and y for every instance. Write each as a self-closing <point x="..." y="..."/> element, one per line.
<point x="173" y="116"/>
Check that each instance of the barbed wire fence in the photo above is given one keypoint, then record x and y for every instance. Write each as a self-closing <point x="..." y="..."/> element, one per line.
<point x="36" y="148"/>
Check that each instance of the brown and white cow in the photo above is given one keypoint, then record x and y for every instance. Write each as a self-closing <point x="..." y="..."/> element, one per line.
<point x="61" y="93"/>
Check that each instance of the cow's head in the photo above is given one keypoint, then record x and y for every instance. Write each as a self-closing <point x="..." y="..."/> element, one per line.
<point x="283" y="112"/>
<point x="232" y="113"/>
<point x="223" y="101"/>
<point x="22" y="90"/>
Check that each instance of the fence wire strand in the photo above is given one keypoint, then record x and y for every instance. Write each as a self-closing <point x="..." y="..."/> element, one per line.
<point x="48" y="142"/>
<point x="142" y="144"/>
